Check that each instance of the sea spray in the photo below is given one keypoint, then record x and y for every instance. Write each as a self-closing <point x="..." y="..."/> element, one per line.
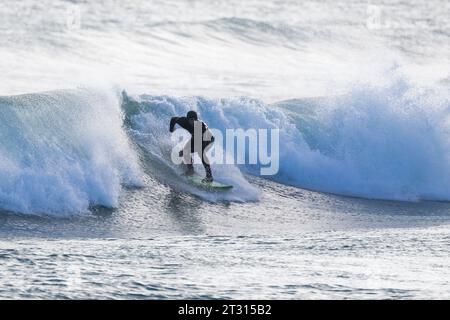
<point x="63" y="151"/>
<point x="382" y="141"/>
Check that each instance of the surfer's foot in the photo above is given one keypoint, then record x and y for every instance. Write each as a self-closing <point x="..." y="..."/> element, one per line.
<point x="208" y="180"/>
<point x="189" y="170"/>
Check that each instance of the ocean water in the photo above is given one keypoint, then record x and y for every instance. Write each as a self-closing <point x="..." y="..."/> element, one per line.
<point x="92" y="207"/>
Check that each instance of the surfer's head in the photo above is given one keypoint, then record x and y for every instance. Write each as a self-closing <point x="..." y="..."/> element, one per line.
<point x="192" y="115"/>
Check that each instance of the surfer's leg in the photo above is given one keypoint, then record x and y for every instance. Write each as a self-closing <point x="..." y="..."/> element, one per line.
<point x="187" y="158"/>
<point x="205" y="161"/>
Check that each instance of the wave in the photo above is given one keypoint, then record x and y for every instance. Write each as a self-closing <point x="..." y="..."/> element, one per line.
<point x="63" y="151"/>
<point x="387" y="141"/>
<point x="383" y="142"/>
<point x="148" y="120"/>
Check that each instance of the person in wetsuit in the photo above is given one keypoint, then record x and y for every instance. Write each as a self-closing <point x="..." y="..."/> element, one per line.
<point x="201" y="141"/>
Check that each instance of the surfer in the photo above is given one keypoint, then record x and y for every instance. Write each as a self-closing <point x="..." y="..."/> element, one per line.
<point x="200" y="142"/>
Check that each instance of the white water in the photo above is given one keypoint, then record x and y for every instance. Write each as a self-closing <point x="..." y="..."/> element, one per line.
<point x="389" y="141"/>
<point x="62" y="151"/>
<point x="271" y="50"/>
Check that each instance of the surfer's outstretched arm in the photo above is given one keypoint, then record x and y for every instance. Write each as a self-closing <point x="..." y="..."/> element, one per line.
<point x="173" y="122"/>
<point x="182" y="122"/>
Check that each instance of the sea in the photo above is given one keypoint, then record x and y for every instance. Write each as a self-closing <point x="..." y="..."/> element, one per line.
<point x="93" y="207"/>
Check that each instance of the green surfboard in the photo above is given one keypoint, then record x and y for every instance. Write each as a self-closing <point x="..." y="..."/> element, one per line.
<point x="196" y="180"/>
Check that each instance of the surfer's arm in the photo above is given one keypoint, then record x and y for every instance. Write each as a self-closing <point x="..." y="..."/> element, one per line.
<point x="181" y="121"/>
<point x="173" y="122"/>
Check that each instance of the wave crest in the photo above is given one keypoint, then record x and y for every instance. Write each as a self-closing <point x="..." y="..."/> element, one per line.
<point x="62" y="151"/>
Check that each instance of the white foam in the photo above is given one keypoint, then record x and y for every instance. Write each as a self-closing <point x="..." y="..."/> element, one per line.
<point x="63" y="151"/>
<point x="388" y="140"/>
<point x="150" y="129"/>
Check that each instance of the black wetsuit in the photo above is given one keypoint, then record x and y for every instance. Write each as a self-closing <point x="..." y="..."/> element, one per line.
<point x="185" y="124"/>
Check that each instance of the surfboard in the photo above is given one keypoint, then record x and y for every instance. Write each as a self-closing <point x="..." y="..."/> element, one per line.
<point x="196" y="180"/>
